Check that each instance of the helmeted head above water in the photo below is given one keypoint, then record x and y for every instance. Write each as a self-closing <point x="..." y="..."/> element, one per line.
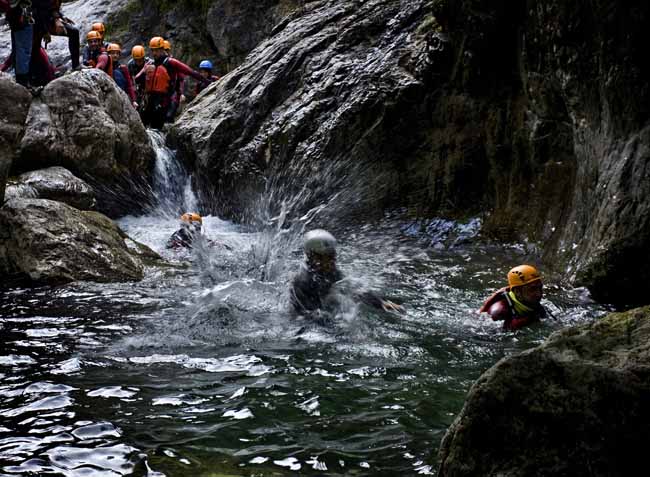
<point x="192" y="220"/>
<point x="523" y="275"/>
<point x="319" y="242"/>
<point x="526" y="283"/>
<point x="320" y="249"/>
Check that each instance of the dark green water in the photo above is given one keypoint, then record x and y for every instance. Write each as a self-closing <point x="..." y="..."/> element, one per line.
<point x="201" y="371"/>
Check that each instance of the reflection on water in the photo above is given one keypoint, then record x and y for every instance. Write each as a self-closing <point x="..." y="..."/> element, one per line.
<point x="201" y="370"/>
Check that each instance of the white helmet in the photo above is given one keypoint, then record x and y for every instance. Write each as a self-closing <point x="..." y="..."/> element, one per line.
<point x="319" y="241"/>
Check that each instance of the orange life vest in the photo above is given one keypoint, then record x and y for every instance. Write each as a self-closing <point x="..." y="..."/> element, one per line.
<point x="158" y="80"/>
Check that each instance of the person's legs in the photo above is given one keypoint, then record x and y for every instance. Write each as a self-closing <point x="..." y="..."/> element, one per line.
<point x="22" y="44"/>
<point x="72" y="32"/>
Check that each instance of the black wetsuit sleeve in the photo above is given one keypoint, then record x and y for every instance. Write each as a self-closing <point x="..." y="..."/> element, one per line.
<point x="371" y="299"/>
<point x="303" y="297"/>
<point x="180" y="238"/>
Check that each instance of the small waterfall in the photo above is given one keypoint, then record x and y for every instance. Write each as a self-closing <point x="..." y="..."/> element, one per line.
<point x="172" y="183"/>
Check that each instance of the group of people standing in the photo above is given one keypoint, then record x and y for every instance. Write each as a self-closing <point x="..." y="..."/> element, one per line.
<point x="155" y="85"/>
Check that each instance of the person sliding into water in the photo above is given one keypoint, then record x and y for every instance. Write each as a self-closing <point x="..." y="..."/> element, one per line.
<point x="191" y="228"/>
<point x="312" y="285"/>
<point x="518" y="304"/>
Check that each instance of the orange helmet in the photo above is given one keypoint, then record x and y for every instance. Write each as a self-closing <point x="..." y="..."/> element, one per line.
<point x="94" y="35"/>
<point x="137" y="52"/>
<point x="99" y="26"/>
<point x="523" y="275"/>
<point x="191" y="217"/>
<point x="157" y="42"/>
<point x="167" y="45"/>
<point x="114" y="47"/>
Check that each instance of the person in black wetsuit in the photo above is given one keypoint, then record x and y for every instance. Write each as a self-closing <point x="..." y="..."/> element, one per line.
<point x="312" y="285"/>
<point x="191" y="226"/>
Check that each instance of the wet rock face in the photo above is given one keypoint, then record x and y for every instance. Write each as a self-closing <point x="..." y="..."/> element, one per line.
<point x="84" y="123"/>
<point x="54" y="183"/>
<point x="322" y="106"/>
<point x="577" y="405"/>
<point x="50" y="242"/>
<point x="14" y="104"/>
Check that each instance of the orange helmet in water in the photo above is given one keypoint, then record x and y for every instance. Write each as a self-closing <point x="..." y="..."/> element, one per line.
<point x="167" y="45"/>
<point x="523" y="275"/>
<point x="191" y="218"/>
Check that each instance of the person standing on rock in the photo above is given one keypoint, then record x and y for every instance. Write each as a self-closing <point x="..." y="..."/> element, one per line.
<point x="191" y="228"/>
<point x="311" y="287"/>
<point x="21" y="22"/>
<point x="49" y="21"/>
<point x="178" y="98"/>
<point x="136" y="65"/>
<point x="205" y="68"/>
<point x="101" y="29"/>
<point x="121" y="74"/>
<point x="98" y="56"/>
<point x="518" y="304"/>
<point x="161" y="84"/>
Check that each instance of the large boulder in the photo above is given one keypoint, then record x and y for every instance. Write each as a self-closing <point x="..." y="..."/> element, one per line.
<point x="45" y="241"/>
<point x="86" y="124"/>
<point x="14" y="105"/>
<point x="576" y="405"/>
<point x="54" y="183"/>
<point x="321" y="107"/>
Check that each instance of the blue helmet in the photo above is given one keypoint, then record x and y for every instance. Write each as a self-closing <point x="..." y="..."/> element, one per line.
<point x="205" y="65"/>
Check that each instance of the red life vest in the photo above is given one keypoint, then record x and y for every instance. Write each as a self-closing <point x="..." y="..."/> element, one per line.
<point x="158" y="79"/>
<point x="492" y="299"/>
